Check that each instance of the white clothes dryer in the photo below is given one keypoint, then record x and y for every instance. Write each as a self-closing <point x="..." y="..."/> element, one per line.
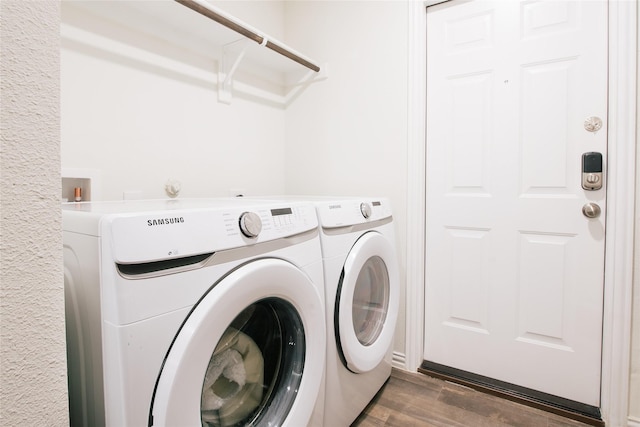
<point x="362" y="292"/>
<point x="194" y="313"/>
<point x="362" y="295"/>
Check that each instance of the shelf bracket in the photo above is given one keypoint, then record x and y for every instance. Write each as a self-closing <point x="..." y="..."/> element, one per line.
<point x="232" y="55"/>
<point x="296" y="88"/>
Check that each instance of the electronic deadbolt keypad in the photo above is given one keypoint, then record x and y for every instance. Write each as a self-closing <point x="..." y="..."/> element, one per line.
<point x="592" y="171"/>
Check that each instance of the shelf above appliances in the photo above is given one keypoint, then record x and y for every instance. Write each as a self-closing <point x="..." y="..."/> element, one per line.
<point x="205" y="30"/>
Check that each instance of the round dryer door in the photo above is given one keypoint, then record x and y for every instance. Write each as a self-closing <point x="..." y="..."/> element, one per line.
<point x="251" y="352"/>
<point x="367" y="308"/>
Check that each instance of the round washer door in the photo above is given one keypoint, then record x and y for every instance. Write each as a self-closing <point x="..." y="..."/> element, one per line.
<point x="367" y="307"/>
<point x="251" y="352"/>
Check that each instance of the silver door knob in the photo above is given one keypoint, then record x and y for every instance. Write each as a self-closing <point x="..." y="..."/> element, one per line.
<point x="591" y="210"/>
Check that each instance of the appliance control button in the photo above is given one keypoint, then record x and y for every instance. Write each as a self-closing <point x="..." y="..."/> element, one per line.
<point x="365" y="209"/>
<point x="250" y="224"/>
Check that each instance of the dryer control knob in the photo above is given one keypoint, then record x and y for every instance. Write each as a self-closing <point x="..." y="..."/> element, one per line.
<point x="250" y="224"/>
<point x="365" y="209"/>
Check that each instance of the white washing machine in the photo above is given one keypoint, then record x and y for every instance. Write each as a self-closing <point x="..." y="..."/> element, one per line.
<point x="194" y="312"/>
<point x="362" y="295"/>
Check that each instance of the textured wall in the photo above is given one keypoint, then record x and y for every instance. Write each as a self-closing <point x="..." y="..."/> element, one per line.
<point x="32" y="340"/>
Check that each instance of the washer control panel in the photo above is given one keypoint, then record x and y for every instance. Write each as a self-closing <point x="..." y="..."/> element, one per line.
<point x="179" y="233"/>
<point x="287" y="220"/>
<point x="281" y="220"/>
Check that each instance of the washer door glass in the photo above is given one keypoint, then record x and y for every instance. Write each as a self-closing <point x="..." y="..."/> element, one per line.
<point x="250" y="352"/>
<point x="367" y="304"/>
<point x="255" y="370"/>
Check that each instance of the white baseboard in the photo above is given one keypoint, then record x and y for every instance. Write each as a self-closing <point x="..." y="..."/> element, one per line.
<point x="399" y="360"/>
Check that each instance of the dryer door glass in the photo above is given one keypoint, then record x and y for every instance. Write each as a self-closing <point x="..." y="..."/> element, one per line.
<point x="366" y="306"/>
<point x="370" y="300"/>
<point x="255" y="370"/>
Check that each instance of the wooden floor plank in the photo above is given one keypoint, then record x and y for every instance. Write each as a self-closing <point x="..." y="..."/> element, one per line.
<point x="417" y="400"/>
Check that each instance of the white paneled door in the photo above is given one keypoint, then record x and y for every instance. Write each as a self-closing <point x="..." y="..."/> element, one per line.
<point x="514" y="268"/>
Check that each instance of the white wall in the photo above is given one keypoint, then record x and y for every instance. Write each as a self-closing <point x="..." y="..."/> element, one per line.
<point x="141" y="112"/>
<point x="348" y="135"/>
<point x="33" y="384"/>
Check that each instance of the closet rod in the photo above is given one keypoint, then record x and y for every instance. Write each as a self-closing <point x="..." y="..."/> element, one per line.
<point x="209" y="12"/>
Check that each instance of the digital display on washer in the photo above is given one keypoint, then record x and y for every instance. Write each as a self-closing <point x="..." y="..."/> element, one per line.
<point x="281" y="211"/>
<point x="376" y="203"/>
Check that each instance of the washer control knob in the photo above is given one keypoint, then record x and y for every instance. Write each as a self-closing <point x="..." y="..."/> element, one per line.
<point x="365" y="209"/>
<point x="250" y="224"/>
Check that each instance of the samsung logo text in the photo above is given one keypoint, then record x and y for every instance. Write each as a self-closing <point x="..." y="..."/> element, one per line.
<point x="165" y="221"/>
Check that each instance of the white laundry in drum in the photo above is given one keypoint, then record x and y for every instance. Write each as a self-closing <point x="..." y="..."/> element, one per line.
<point x="233" y="383"/>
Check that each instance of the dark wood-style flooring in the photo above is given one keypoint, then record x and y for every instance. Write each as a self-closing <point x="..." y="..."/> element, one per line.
<point x="413" y="399"/>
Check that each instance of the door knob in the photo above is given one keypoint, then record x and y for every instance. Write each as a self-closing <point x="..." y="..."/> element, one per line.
<point x="591" y="210"/>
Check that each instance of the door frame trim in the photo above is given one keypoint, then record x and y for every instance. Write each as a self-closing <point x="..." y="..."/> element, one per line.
<point x="621" y="195"/>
